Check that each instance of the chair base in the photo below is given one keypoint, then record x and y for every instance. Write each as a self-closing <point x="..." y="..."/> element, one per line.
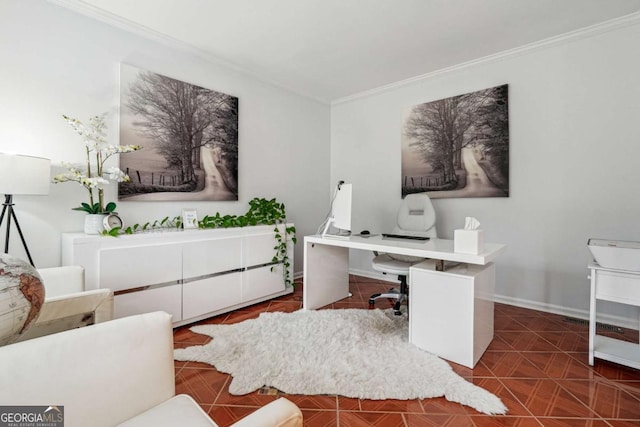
<point x="389" y="295"/>
<point x="400" y="295"/>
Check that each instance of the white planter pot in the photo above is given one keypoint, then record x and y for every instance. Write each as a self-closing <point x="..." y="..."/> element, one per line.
<point x="93" y="223"/>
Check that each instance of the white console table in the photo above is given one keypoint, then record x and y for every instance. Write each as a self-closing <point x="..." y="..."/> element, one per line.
<point x="190" y="274"/>
<point x="619" y="286"/>
<point x="468" y="308"/>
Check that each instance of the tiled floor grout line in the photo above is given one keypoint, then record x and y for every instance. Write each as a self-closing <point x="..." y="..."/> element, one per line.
<point x="515" y="397"/>
<point x="555" y="380"/>
<point x="221" y="388"/>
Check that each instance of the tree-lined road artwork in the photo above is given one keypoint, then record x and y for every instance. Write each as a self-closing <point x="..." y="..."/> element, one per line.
<point x="214" y="185"/>
<point x="478" y="183"/>
<point x="458" y="146"/>
<point x="189" y="136"/>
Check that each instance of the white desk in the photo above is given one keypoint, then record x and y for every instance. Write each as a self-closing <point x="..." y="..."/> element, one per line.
<point x="326" y="261"/>
<point x="326" y="280"/>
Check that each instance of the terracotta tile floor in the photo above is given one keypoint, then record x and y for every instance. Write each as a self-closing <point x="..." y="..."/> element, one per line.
<point x="537" y="364"/>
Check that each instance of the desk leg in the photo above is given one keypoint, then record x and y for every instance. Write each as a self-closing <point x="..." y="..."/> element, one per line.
<point x="326" y="275"/>
<point x="592" y="317"/>
<point x="452" y="311"/>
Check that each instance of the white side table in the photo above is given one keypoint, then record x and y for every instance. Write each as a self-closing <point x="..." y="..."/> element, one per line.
<point x="618" y="286"/>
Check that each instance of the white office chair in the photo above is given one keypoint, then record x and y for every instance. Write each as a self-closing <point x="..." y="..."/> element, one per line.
<point x="416" y="217"/>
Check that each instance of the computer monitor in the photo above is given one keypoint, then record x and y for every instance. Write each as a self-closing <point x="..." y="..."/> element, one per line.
<point x="340" y="216"/>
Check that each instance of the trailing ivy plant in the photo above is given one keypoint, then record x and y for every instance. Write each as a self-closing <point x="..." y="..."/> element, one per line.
<point x="164" y="223"/>
<point x="261" y="212"/>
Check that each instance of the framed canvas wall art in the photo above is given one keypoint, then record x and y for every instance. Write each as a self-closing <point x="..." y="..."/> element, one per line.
<point x="189" y="136"/>
<point x="458" y="146"/>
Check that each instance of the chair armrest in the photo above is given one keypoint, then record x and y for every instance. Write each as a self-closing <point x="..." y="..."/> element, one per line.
<point x="279" y="413"/>
<point x="77" y="303"/>
<point x="72" y="311"/>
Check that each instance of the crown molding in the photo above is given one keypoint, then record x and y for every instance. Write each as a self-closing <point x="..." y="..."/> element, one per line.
<point x="116" y="21"/>
<point x="101" y="15"/>
<point x="572" y="36"/>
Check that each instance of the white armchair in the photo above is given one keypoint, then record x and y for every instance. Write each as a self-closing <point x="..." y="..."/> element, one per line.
<point x="67" y="305"/>
<point x="114" y="373"/>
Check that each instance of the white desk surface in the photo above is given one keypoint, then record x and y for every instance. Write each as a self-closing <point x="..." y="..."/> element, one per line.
<point x="433" y="248"/>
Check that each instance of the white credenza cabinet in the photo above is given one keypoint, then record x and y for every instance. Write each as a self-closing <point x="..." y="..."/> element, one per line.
<point x="622" y="287"/>
<point x="191" y="274"/>
<point x="451" y="311"/>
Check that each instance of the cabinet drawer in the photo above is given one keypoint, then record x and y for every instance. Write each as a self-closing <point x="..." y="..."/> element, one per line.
<point x="618" y="287"/>
<point x="131" y="267"/>
<point x="211" y="256"/>
<point x="259" y="248"/>
<point x="168" y="298"/>
<point x="261" y="282"/>
<point x="211" y="294"/>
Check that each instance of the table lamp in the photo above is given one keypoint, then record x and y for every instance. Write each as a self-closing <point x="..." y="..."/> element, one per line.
<point x="21" y="175"/>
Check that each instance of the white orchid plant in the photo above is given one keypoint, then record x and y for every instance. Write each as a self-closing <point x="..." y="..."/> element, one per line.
<point x="94" y="175"/>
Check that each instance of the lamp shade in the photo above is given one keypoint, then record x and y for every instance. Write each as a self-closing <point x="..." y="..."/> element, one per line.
<point x="21" y="174"/>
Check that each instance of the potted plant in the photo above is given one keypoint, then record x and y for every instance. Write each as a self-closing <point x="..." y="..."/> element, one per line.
<point x="94" y="175"/>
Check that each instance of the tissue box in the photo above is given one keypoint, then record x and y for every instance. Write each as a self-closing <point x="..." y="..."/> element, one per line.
<point x="468" y="241"/>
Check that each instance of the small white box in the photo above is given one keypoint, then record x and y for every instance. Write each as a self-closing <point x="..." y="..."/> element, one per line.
<point x="468" y="241"/>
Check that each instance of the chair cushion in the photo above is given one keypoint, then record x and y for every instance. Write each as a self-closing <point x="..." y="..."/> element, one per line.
<point x="387" y="264"/>
<point x="180" y="410"/>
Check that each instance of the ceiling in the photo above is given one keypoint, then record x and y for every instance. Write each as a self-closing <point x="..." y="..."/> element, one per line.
<point x="332" y="49"/>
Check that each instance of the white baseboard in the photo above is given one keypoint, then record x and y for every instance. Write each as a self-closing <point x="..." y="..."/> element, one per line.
<point x="623" y="322"/>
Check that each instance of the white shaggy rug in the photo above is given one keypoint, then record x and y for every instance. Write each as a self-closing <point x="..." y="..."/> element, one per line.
<point x="355" y="353"/>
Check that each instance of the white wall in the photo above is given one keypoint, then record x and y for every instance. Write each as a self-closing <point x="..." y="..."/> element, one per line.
<point x="54" y="61"/>
<point x="575" y="144"/>
<point x="574" y="162"/>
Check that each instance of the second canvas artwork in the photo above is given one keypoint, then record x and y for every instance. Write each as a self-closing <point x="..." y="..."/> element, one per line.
<point x="458" y="146"/>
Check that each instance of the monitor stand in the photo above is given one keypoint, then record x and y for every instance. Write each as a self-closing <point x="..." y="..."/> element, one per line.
<point x="325" y="232"/>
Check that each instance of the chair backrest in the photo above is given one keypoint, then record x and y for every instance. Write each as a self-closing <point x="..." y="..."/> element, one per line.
<point x="416" y="216"/>
<point x="58" y="281"/>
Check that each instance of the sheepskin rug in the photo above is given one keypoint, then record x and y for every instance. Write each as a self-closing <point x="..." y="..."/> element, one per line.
<point x="355" y="353"/>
